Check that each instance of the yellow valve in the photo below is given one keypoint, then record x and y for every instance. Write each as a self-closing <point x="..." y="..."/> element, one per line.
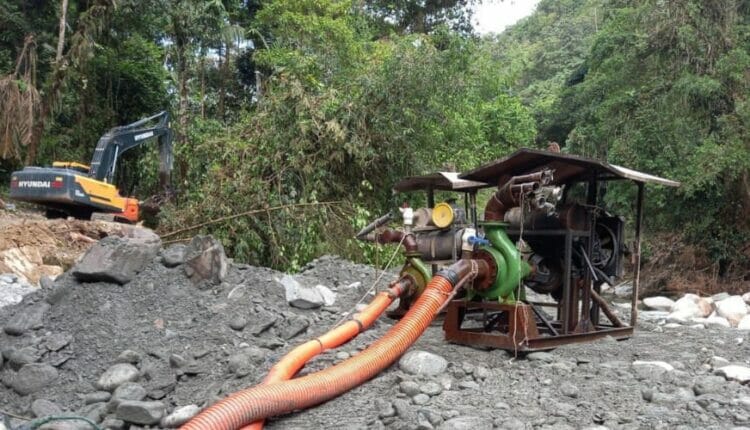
<point x="442" y="215"/>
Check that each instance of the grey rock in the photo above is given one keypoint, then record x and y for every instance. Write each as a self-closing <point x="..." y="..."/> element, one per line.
<point x="513" y="424"/>
<point x="467" y="423"/>
<point x="57" y="341"/>
<point x="481" y="372"/>
<point x="431" y="388"/>
<point x="43" y="407"/>
<point x="384" y="408"/>
<point x="294" y="327"/>
<point x="129" y="391"/>
<point x="96" y="397"/>
<point x="422" y="363"/>
<point x="180" y="416"/>
<point x="238" y="323"/>
<point x="46" y="282"/>
<point x="138" y="412"/>
<point x="174" y="255"/>
<point x="708" y="384"/>
<point x="33" y="377"/>
<point x="468" y="385"/>
<point x="260" y="322"/>
<point x="410" y="388"/>
<point x="118" y="259"/>
<point x="420" y="399"/>
<point x="20" y="357"/>
<point x="117" y="375"/>
<point x="568" y="389"/>
<point x="177" y="361"/>
<point x="300" y="296"/>
<point x="93" y="411"/>
<point x="433" y="417"/>
<point x="26" y="319"/>
<point x="246" y="360"/>
<point x="206" y="261"/>
<point x="404" y="410"/>
<point x="541" y="356"/>
<point x="129" y="356"/>
<point x="113" y="424"/>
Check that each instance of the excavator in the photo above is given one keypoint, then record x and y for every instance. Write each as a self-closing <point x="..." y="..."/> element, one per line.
<point x="74" y="189"/>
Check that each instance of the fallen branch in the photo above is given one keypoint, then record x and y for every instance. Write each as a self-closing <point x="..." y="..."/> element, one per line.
<point x="250" y="212"/>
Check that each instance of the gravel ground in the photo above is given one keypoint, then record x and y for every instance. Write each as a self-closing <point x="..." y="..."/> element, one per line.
<point x="189" y="345"/>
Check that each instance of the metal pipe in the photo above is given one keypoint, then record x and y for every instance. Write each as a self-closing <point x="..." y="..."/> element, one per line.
<point x="637" y="255"/>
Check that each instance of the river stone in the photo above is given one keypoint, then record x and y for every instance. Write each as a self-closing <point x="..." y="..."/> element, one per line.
<point x="733" y="372"/>
<point x="422" y="363"/>
<point x="129" y="391"/>
<point x="206" y="261"/>
<point x="180" y="416"/>
<point x="300" y="296"/>
<point x="733" y="309"/>
<point x="43" y="407"/>
<point x="708" y="384"/>
<point x="744" y="323"/>
<point x="466" y="423"/>
<point x="33" y="377"/>
<point x="118" y="259"/>
<point x="138" y="412"/>
<point x="117" y="375"/>
<point x="659" y="303"/>
<point x="26" y="319"/>
<point x="174" y="255"/>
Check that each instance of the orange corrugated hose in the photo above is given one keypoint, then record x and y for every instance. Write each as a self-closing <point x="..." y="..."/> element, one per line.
<point x="263" y="401"/>
<point x="293" y="361"/>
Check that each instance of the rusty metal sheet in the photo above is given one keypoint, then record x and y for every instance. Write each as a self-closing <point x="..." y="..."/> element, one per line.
<point x="566" y="167"/>
<point x="442" y="181"/>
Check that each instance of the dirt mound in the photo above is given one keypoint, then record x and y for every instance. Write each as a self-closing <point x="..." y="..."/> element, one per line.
<point x="32" y="247"/>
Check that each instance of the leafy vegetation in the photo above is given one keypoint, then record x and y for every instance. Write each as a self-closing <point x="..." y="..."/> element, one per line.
<point x="325" y="103"/>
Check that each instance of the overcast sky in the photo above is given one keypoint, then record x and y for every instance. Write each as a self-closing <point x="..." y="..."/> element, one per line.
<point x="492" y="16"/>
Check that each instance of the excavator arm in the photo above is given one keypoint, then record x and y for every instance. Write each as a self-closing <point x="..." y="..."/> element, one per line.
<point x="119" y="140"/>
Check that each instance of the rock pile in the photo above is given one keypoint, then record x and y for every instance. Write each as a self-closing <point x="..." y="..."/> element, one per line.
<point x="721" y="310"/>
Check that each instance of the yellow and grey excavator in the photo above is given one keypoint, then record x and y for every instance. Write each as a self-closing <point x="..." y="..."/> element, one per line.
<point x="74" y="189"/>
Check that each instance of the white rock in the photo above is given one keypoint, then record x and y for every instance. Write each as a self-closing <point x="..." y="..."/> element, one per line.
<point x="329" y="297"/>
<point x="117" y="375"/>
<point x="422" y="363"/>
<point x="300" y="296"/>
<point x="697" y="326"/>
<point x="746" y="298"/>
<point x="717" y="362"/>
<point x="659" y="303"/>
<point x="180" y="416"/>
<point x="706" y="306"/>
<point x="733" y="309"/>
<point x="744" y="323"/>
<point x="666" y="366"/>
<point x="717" y="322"/>
<point x="672" y="325"/>
<point x="687" y="307"/>
<point x="734" y="372"/>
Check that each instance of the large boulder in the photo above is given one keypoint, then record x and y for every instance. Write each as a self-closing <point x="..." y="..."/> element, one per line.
<point x="659" y="303"/>
<point x="422" y="363"/>
<point x="26" y="319"/>
<point x="301" y="296"/>
<point x="118" y="259"/>
<point x="733" y="309"/>
<point x="33" y="377"/>
<point x="206" y="260"/>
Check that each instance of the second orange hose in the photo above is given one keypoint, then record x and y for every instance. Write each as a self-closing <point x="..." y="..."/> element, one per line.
<point x="293" y="361"/>
<point x="262" y="401"/>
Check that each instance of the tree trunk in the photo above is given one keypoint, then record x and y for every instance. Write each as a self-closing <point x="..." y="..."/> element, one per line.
<point x="61" y="34"/>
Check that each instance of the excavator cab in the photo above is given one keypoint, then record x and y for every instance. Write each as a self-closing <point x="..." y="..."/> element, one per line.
<point x="78" y="190"/>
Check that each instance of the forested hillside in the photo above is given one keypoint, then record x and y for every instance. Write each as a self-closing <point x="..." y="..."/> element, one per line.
<point x="327" y="102"/>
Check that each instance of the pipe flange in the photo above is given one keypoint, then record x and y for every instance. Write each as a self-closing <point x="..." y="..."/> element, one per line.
<point x="485" y="282"/>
